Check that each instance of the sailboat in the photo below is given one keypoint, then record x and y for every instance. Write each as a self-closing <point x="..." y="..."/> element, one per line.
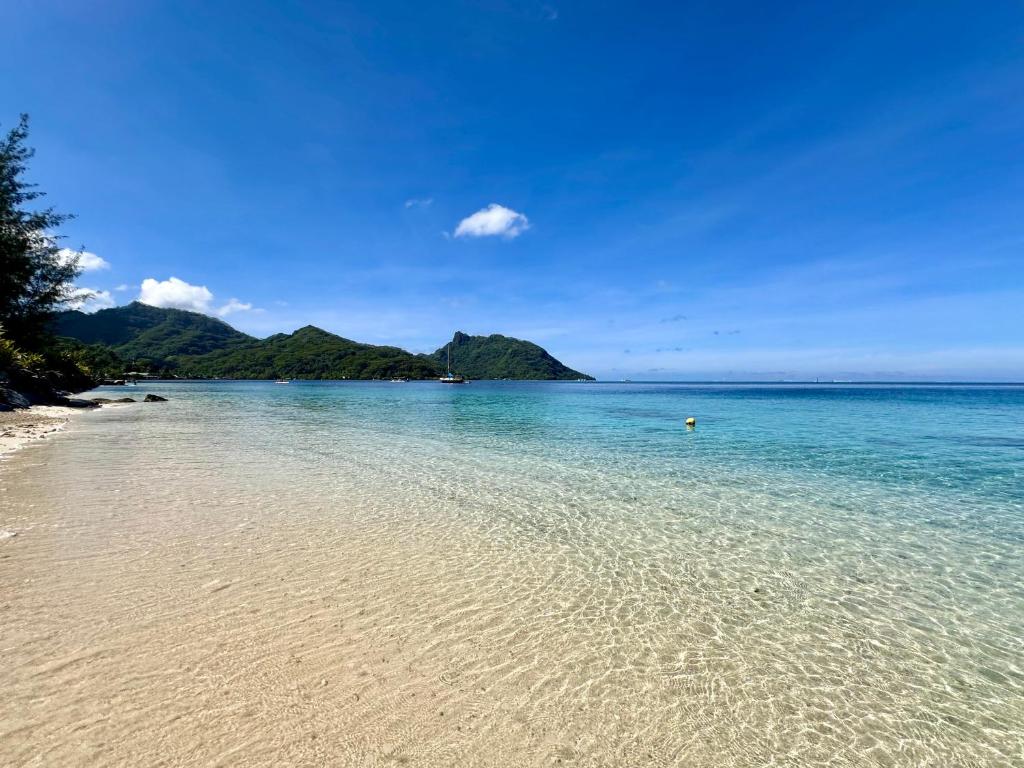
<point x="449" y="377"/>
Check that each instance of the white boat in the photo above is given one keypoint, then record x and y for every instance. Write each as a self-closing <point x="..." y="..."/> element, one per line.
<point x="282" y="381"/>
<point x="449" y="377"/>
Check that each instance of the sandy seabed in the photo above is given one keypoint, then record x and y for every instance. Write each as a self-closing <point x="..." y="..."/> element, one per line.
<point x="144" y="625"/>
<point x="176" y="594"/>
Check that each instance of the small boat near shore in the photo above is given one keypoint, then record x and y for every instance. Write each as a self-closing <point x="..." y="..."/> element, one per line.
<point x="282" y="381"/>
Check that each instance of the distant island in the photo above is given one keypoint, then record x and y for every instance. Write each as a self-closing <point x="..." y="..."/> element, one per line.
<point x="502" y="357"/>
<point x="183" y="344"/>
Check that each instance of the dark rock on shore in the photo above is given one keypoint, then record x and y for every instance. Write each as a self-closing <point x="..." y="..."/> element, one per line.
<point x="13" y="399"/>
<point x="76" y="402"/>
<point x="22" y="388"/>
<point x="154" y="399"/>
<point x="25" y="389"/>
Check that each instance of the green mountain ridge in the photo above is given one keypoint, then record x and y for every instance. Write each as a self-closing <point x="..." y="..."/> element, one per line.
<point x="502" y="357"/>
<point x="308" y="353"/>
<point x="192" y="345"/>
<point x="139" y="331"/>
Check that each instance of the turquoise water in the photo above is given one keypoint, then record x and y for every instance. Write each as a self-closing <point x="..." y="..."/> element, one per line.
<point x="815" y="574"/>
<point x="960" y="446"/>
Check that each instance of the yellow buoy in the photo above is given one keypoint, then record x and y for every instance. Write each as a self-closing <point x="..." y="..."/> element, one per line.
<point x="691" y="422"/>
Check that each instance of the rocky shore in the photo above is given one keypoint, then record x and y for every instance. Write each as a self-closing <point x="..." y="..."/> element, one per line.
<point x="20" y="388"/>
<point x="21" y="422"/>
<point x="33" y="405"/>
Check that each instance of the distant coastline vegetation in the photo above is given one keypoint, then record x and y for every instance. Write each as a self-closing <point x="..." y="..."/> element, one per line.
<point x="178" y="343"/>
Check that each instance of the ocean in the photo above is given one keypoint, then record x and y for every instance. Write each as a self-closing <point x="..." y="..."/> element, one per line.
<point x="521" y="573"/>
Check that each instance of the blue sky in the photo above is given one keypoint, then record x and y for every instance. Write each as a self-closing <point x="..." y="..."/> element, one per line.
<point x="664" y="191"/>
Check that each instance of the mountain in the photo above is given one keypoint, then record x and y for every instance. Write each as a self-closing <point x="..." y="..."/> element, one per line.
<point x="502" y="357"/>
<point x="189" y="344"/>
<point x="309" y="353"/>
<point x="150" y="334"/>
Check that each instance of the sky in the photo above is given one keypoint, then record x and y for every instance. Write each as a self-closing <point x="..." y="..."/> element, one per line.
<point x="663" y="191"/>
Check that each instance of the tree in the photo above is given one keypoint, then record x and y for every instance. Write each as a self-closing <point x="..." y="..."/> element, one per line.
<point x="36" y="278"/>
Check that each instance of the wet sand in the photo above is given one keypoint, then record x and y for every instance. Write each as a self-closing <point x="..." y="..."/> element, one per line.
<point x="20" y="427"/>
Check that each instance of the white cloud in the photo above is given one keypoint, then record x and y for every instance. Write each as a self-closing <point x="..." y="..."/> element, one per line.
<point x="493" y="220"/>
<point x="87" y="261"/>
<point x="421" y="202"/>
<point x="122" y="287"/>
<point x="234" y="305"/>
<point x="177" y="294"/>
<point x="42" y="237"/>
<point x="90" y="300"/>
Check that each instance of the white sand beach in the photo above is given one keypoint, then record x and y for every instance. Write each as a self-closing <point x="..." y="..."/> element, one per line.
<point x="20" y="427"/>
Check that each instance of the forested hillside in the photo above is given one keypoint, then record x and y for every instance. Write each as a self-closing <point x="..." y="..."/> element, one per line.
<point x="188" y="344"/>
<point x="502" y="357"/>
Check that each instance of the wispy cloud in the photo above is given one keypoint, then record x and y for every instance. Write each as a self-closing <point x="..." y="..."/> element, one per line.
<point x="494" y="220"/>
<point x="419" y="202"/>
<point x="90" y="300"/>
<point x="87" y="261"/>
<point x="234" y="305"/>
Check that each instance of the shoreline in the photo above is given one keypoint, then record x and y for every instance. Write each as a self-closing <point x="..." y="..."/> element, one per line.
<point x="22" y="427"/>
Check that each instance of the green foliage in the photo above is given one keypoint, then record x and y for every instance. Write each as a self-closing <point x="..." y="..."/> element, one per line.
<point x="34" y="280"/>
<point x="96" y="360"/>
<point x="30" y="361"/>
<point x="8" y="354"/>
<point x="13" y="358"/>
<point x="502" y="357"/>
<point x="42" y="373"/>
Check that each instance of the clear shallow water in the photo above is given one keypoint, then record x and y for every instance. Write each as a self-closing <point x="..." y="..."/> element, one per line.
<point x="814" y="575"/>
